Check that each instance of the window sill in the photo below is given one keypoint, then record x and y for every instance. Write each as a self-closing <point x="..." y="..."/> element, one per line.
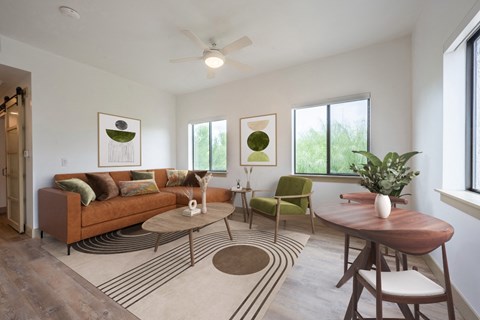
<point x="219" y="174"/>
<point x="466" y="201"/>
<point x="331" y="178"/>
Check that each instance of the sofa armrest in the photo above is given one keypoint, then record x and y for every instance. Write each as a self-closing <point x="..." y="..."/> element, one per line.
<point x="59" y="214"/>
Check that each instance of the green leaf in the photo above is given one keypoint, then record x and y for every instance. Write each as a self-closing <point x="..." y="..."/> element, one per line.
<point x="370" y="157"/>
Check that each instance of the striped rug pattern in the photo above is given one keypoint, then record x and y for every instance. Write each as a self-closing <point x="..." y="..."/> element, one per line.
<point x="120" y="242"/>
<point x="134" y="285"/>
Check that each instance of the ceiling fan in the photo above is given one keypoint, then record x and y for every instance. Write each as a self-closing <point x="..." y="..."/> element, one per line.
<point x="215" y="58"/>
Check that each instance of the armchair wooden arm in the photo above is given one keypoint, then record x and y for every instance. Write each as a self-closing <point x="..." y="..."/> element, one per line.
<point x="306" y="195"/>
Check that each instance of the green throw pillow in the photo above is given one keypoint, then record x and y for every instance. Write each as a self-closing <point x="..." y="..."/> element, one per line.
<point x="142" y="175"/>
<point x="137" y="187"/>
<point x="79" y="186"/>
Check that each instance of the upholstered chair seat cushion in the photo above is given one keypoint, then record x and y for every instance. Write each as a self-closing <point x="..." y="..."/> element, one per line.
<point x="269" y="205"/>
<point x="408" y="283"/>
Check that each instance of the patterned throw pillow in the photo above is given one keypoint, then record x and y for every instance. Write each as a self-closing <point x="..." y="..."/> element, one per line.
<point x="176" y="177"/>
<point x="142" y="175"/>
<point x="191" y="180"/>
<point x="103" y="185"/>
<point x="79" y="186"/>
<point x="137" y="187"/>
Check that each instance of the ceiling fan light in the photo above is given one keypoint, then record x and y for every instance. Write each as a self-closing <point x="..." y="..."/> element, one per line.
<point x="214" y="59"/>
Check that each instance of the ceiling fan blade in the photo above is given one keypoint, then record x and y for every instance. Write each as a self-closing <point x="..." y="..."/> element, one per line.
<point x="240" y="66"/>
<point x="196" y="39"/>
<point x="236" y="45"/>
<point x="185" y="59"/>
<point x="210" y="73"/>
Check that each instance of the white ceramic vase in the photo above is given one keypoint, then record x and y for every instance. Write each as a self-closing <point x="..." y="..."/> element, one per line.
<point x="383" y="205"/>
<point x="204" y="201"/>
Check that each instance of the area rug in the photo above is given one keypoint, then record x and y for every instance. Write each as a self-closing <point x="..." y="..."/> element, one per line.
<point x="230" y="280"/>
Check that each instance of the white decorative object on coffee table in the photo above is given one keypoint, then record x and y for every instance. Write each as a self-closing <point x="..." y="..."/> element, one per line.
<point x="203" y="182"/>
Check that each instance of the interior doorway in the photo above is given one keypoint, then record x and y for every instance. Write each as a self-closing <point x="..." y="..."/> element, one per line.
<point x="10" y="198"/>
<point x="3" y="164"/>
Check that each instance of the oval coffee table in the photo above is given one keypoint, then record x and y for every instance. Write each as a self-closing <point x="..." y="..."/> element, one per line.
<point x="174" y="221"/>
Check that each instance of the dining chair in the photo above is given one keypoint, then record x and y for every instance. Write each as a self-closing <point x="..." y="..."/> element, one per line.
<point x="402" y="287"/>
<point x="291" y="201"/>
<point x="369" y="198"/>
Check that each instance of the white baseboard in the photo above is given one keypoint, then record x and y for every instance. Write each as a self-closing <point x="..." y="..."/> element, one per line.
<point x="32" y="233"/>
<point x="460" y="303"/>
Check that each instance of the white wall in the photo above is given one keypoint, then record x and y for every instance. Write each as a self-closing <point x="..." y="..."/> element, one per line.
<point x="383" y="69"/>
<point x="437" y="22"/>
<point x="66" y="97"/>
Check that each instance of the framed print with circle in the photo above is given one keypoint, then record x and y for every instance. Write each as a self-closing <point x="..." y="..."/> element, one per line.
<point x="119" y="141"/>
<point x="258" y="140"/>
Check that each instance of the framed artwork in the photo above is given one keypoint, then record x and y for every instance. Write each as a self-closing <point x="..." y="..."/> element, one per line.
<point x="119" y="141"/>
<point x="258" y="140"/>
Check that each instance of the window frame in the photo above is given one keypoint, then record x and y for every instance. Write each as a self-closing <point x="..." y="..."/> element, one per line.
<point x="210" y="145"/>
<point x="327" y="104"/>
<point x="471" y="112"/>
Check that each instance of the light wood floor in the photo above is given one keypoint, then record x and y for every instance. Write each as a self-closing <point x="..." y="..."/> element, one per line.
<point x="35" y="285"/>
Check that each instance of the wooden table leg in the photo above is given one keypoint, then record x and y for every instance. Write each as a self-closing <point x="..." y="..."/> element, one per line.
<point x="228" y="228"/>
<point x="359" y="263"/>
<point x="157" y="242"/>
<point x="190" y="239"/>
<point x="365" y="261"/>
<point x="233" y="203"/>
<point x="244" y="205"/>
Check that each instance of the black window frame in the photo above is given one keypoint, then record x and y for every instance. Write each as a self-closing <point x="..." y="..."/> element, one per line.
<point x="210" y="145"/>
<point x="328" y="136"/>
<point x="471" y="113"/>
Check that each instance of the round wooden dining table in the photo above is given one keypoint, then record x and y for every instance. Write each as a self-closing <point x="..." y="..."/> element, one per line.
<point x="407" y="231"/>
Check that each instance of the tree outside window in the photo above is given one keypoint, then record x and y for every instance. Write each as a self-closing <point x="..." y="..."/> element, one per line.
<point x="325" y="135"/>
<point x="209" y="146"/>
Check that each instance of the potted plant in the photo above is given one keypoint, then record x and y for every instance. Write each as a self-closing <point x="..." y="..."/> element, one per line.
<point x="387" y="177"/>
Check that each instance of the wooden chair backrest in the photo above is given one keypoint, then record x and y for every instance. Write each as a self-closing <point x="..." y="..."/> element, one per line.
<point x="369" y="197"/>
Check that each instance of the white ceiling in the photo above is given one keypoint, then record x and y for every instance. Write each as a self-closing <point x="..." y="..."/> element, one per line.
<point x="136" y="38"/>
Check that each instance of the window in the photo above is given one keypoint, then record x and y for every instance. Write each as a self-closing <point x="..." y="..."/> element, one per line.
<point x="326" y="134"/>
<point x="473" y="114"/>
<point x="209" y="146"/>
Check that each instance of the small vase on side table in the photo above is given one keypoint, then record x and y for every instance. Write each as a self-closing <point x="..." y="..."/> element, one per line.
<point x="383" y="205"/>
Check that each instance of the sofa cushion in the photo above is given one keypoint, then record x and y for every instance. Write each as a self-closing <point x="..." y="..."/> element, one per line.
<point x="103" y="185"/>
<point x="161" y="177"/>
<point x="176" y="177"/>
<point x="142" y="175"/>
<point x="121" y="176"/>
<point x="101" y="211"/>
<point x="213" y="194"/>
<point x="191" y="180"/>
<point x="87" y="195"/>
<point x="137" y="187"/>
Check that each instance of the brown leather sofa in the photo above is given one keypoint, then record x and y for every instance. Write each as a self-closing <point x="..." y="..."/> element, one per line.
<point x="61" y="215"/>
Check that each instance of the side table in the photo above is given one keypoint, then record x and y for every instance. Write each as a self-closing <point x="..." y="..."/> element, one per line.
<point x="243" y="193"/>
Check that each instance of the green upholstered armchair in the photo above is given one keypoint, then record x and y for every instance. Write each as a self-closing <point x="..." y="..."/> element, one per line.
<point x="291" y="201"/>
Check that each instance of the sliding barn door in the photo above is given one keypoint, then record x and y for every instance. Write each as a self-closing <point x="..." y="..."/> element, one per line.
<point x="14" y="133"/>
